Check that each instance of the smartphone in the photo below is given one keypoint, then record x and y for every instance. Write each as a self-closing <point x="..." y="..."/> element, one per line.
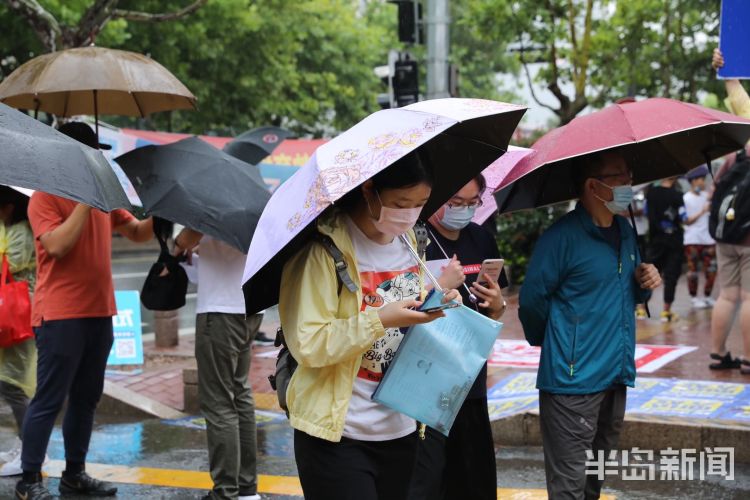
<point x="433" y="303"/>
<point x="441" y="307"/>
<point x="491" y="268"/>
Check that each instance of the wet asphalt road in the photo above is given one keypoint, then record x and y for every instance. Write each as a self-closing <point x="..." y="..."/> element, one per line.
<point x="153" y="443"/>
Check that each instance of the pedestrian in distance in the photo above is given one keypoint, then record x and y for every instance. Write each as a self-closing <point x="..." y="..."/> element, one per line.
<point x="700" y="247"/>
<point x="666" y="214"/>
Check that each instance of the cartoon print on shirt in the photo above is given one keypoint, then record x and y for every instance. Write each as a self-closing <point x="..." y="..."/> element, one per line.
<point x="379" y="289"/>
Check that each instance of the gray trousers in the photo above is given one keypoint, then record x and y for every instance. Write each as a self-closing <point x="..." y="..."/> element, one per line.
<point x="223" y="350"/>
<point x="572" y="424"/>
<point x="18" y="402"/>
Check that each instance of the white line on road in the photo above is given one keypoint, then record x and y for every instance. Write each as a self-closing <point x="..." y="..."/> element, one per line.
<point x="124" y="276"/>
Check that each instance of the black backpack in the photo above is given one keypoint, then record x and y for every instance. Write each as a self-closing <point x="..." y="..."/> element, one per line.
<point x="285" y="362"/>
<point x="729" y="220"/>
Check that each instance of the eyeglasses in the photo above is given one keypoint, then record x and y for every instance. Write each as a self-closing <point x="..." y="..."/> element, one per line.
<point x="465" y="204"/>
<point x="627" y="177"/>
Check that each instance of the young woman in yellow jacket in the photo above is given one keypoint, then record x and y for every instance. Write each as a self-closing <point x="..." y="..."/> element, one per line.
<point x="346" y="445"/>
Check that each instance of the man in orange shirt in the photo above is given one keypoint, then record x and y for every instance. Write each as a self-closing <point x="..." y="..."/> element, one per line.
<point x="72" y="317"/>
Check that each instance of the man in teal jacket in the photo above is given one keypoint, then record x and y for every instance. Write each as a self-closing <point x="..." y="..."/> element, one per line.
<point x="577" y="302"/>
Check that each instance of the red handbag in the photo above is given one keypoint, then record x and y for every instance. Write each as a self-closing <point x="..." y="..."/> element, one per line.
<point x="15" y="309"/>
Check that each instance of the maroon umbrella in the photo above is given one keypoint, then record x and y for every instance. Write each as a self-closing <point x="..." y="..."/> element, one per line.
<point x="658" y="138"/>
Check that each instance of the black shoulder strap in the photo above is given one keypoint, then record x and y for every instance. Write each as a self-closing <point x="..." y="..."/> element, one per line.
<point x="342" y="269"/>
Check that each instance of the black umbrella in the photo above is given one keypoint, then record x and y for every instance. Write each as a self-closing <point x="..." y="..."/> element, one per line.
<point x="194" y="184"/>
<point x="254" y="145"/>
<point x="36" y="156"/>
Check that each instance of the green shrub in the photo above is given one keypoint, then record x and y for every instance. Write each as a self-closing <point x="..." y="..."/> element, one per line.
<point x="517" y="234"/>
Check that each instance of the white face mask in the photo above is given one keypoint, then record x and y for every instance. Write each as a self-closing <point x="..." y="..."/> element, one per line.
<point x="395" y="221"/>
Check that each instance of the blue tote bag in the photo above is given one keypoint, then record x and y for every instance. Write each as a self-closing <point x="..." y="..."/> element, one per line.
<point x="436" y="365"/>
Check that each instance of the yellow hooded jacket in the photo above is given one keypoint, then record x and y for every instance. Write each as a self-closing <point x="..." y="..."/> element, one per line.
<point x="326" y="332"/>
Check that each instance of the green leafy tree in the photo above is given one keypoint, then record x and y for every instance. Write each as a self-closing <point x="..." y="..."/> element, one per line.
<point x="307" y="65"/>
<point x="604" y="50"/>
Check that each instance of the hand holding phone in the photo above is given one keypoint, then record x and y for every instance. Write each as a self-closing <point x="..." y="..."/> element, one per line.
<point x="434" y="302"/>
<point x="491" y="268"/>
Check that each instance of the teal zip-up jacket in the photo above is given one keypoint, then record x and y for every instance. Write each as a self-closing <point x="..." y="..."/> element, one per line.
<point x="578" y="303"/>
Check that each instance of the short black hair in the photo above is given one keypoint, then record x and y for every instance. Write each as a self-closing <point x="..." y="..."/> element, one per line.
<point x="586" y="167"/>
<point x="20" y="202"/>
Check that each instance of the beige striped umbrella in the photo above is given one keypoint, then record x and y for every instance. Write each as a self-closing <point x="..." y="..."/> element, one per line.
<point x="95" y="81"/>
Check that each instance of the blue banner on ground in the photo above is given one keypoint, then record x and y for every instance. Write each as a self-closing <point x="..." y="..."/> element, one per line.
<point x="127" y="349"/>
<point x="651" y="396"/>
<point x="262" y="417"/>
<point x="734" y="37"/>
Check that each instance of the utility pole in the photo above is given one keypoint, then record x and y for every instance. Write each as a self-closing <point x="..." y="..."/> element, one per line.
<point x="438" y="48"/>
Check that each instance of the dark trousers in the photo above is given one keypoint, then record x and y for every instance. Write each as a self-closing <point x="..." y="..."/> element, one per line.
<point x="666" y="253"/>
<point x="571" y="424"/>
<point x="18" y="402"/>
<point x="354" y="470"/>
<point x="72" y="359"/>
<point x="461" y="465"/>
<point x="223" y="350"/>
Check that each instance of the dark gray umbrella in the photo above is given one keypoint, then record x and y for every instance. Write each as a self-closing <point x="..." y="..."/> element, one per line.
<point x="194" y="184"/>
<point x="254" y="145"/>
<point x="36" y="156"/>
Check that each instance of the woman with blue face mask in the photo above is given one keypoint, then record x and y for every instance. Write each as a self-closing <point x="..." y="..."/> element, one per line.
<point x="462" y="465"/>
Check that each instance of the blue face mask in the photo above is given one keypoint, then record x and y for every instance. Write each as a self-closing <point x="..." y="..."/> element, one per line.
<point x="457" y="218"/>
<point x="622" y="196"/>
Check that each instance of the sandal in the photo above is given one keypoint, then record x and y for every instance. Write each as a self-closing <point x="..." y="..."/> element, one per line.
<point x="726" y="362"/>
<point x="745" y="367"/>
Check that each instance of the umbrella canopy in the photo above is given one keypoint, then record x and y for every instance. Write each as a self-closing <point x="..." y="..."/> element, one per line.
<point x="36" y="156"/>
<point x="658" y="138"/>
<point x="194" y="184"/>
<point x="494" y="175"/>
<point x="254" y="145"/>
<point x="459" y="138"/>
<point x="93" y="81"/>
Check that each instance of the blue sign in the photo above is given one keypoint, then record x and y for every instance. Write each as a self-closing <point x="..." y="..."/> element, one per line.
<point x="651" y="396"/>
<point x="734" y="38"/>
<point x="127" y="349"/>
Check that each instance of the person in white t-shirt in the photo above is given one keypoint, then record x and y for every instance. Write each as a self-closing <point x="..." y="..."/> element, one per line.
<point x="223" y="340"/>
<point x="700" y="248"/>
<point x="346" y="445"/>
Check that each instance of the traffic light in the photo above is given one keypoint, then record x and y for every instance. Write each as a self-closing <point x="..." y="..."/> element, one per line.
<point x="405" y="82"/>
<point x="410" y="27"/>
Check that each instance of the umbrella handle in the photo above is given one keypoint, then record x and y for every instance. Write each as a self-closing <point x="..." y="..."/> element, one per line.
<point x="638" y="246"/>
<point x="421" y="264"/>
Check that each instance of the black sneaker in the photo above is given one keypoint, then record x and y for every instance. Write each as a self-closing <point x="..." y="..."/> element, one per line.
<point x="32" y="491"/>
<point x="261" y="338"/>
<point x="83" y="484"/>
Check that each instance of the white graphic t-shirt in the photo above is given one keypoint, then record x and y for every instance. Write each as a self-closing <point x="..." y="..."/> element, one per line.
<point x="388" y="273"/>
